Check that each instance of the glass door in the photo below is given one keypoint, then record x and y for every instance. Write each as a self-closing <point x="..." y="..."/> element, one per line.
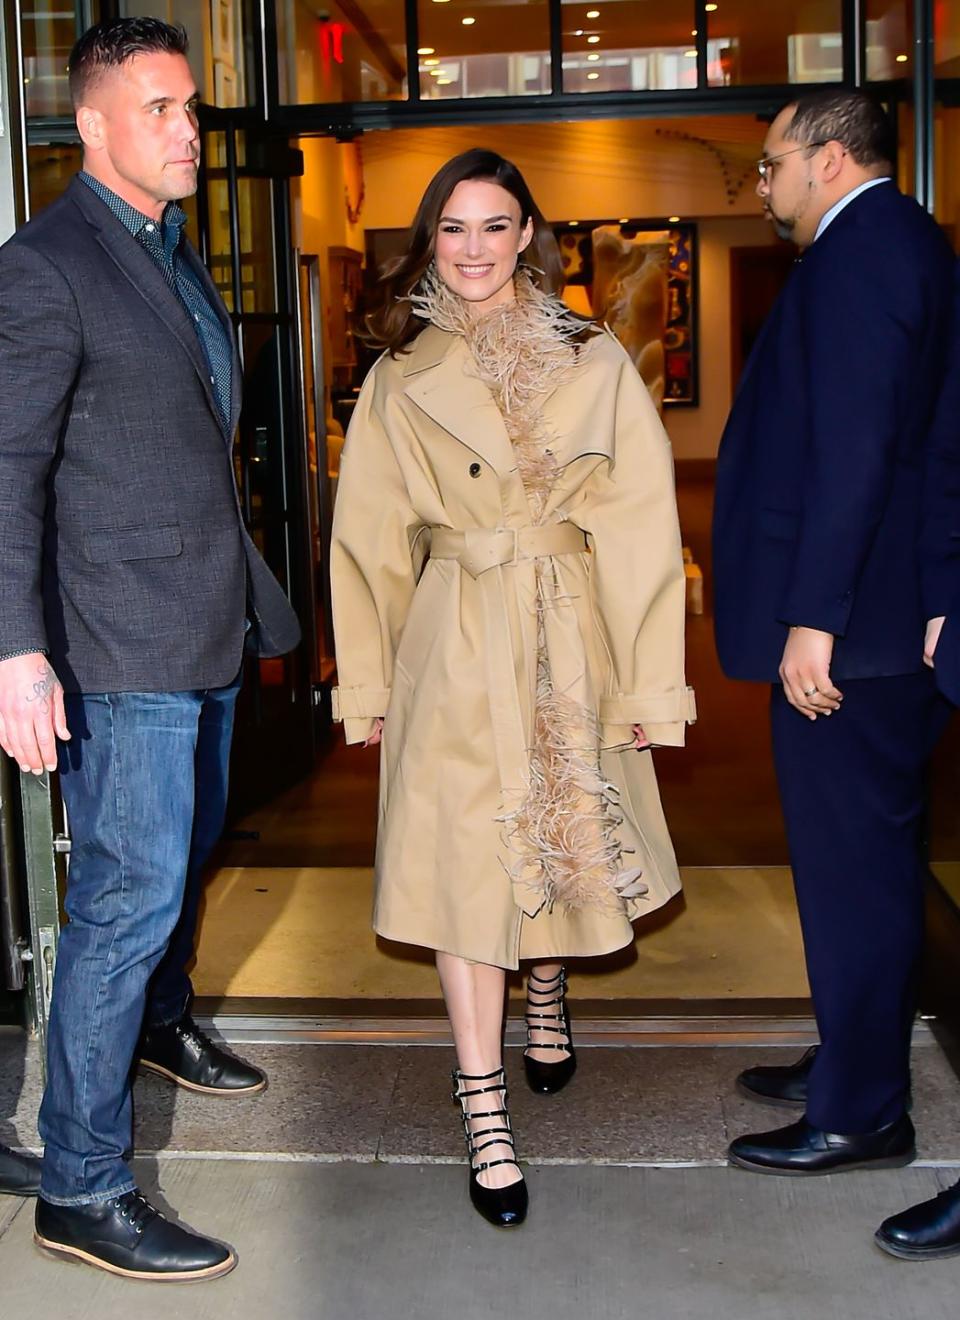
<point x="243" y="220"/>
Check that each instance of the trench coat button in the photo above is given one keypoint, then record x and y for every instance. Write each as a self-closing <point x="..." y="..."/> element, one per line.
<point x="475" y="469"/>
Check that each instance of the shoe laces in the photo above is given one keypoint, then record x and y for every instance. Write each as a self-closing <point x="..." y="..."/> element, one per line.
<point x="136" y="1210"/>
<point x="190" y="1033"/>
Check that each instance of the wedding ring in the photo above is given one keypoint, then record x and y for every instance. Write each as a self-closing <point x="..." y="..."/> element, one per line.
<point x="808" y="692"/>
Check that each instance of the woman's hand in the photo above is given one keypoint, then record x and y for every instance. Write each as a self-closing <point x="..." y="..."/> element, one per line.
<point x="376" y="735"/>
<point x="640" y="740"/>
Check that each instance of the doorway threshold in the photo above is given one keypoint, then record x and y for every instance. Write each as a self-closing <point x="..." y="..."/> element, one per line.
<point x="598" y="1023"/>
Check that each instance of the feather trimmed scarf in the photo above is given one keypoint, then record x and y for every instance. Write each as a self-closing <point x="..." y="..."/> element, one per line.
<point x="565" y="831"/>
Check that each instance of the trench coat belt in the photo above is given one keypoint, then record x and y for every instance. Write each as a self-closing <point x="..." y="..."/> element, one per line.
<point x="478" y="549"/>
<point x="484" y="552"/>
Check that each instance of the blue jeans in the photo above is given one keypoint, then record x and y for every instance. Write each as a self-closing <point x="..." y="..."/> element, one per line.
<point x="144" y="780"/>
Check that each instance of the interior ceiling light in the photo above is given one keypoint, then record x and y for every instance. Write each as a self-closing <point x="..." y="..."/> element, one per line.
<point x="425" y="50"/>
<point x="673" y="219"/>
<point x="593" y="40"/>
<point x="593" y="75"/>
<point x="444" y="82"/>
<point x="690" y="54"/>
<point x="429" y="63"/>
<point x="902" y="59"/>
<point x="468" y="22"/>
<point x="593" y="13"/>
<point x="625" y="220"/>
<point x="594" y="56"/>
<point x="711" y="9"/>
<point x="573" y="223"/>
<point x="437" y="73"/>
<point x="694" y="31"/>
<point x="579" y="32"/>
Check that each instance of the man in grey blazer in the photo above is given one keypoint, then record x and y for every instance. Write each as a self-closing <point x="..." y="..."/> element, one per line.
<point x="128" y="591"/>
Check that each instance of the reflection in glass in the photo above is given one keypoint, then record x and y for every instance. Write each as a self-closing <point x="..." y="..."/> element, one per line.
<point x="49" y="170"/>
<point x="889" y="27"/>
<point x="504" y="51"/>
<point x="628" y="45"/>
<point x="947" y="39"/>
<point x="790" y="41"/>
<point x="49" y="29"/>
<point x="332" y="51"/>
<point x="947" y="188"/>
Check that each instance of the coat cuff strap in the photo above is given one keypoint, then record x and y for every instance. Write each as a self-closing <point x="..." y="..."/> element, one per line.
<point x="678" y="706"/>
<point x="358" y="703"/>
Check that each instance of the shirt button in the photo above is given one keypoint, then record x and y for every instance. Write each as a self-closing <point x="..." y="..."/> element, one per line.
<point x="149" y="229"/>
<point x="213" y="380"/>
<point x="475" y="469"/>
<point x="196" y="317"/>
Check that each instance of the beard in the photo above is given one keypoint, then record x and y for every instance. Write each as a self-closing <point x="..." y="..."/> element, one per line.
<point x="782" y="227"/>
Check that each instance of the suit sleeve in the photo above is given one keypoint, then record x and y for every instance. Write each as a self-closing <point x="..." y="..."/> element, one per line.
<point x="372" y="567"/>
<point x="940" y="536"/>
<point x="40" y="354"/>
<point x="637" y="576"/>
<point x="859" y="351"/>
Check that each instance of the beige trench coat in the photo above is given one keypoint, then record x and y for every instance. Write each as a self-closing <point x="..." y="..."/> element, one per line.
<point x="445" y="648"/>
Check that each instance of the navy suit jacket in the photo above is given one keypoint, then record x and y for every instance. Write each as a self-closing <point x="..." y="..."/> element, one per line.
<point x="941" y="533"/>
<point x="821" y="471"/>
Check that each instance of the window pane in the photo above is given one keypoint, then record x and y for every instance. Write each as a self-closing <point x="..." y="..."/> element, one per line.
<point x="484" y="48"/>
<point x="628" y="45"/>
<point x="789" y="41"/>
<point x="947" y="31"/>
<point x="328" y="53"/>
<point x="49" y="30"/>
<point x="889" y="39"/>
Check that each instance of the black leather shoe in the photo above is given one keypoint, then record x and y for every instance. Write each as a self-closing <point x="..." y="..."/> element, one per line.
<point x="183" y="1054"/>
<point x="19" y="1174"/>
<point x="783" y="1085"/>
<point x="548" y="1013"/>
<point x="129" y="1236"/>
<point x="803" y="1150"/>
<point x="928" y="1231"/>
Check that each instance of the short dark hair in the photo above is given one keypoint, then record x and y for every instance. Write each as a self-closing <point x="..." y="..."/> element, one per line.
<point x="855" y="119"/>
<point x="110" y="44"/>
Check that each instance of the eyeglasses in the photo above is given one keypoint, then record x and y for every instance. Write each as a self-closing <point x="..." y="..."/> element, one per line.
<point x="764" y="165"/>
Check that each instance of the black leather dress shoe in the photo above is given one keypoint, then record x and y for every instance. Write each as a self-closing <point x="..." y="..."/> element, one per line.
<point x="19" y="1174"/>
<point x="182" y="1053"/>
<point x="928" y="1231"/>
<point x="803" y="1150"/>
<point x="783" y="1085"/>
<point x="129" y="1236"/>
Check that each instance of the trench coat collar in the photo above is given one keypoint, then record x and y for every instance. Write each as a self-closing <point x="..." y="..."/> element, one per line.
<point x="442" y="381"/>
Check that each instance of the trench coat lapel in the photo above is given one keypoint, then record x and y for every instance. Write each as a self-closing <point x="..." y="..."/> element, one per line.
<point x="442" y="381"/>
<point x="146" y="280"/>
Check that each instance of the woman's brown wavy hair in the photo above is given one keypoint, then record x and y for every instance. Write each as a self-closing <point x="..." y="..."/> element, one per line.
<point x="391" y="323"/>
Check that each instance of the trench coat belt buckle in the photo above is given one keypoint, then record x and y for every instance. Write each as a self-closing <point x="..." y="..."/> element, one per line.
<point x="478" y="549"/>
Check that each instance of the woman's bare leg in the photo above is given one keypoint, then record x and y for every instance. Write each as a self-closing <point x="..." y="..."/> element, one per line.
<point x="474" y="995"/>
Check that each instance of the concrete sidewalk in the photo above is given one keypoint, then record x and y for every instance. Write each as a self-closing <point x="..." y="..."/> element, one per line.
<point x="359" y="1241"/>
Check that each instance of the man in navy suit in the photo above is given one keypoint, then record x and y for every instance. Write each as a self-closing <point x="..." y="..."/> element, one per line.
<point x="818" y="565"/>
<point x="931" y="1230"/>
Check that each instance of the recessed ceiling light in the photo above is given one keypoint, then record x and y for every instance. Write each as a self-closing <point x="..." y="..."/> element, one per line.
<point x="902" y="59"/>
<point x="694" y="31"/>
<point x="573" y="222"/>
<point x="593" y="40"/>
<point x="593" y="56"/>
<point x="593" y="13"/>
<point x="438" y="73"/>
<point x="673" y="219"/>
<point x="690" y="54"/>
<point x="625" y="220"/>
<point x="425" y="50"/>
<point x="711" y="8"/>
<point x="593" y="75"/>
<point x="429" y="63"/>
<point x="444" y="82"/>
<point x="579" y="32"/>
<point x="468" y="22"/>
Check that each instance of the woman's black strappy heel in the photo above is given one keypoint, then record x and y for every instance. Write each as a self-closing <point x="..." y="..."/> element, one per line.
<point x="549" y="1007"/>
<point x="504" y="1207"/>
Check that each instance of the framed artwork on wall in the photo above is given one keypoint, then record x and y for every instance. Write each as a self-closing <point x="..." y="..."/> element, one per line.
<point x="640" y="277"/>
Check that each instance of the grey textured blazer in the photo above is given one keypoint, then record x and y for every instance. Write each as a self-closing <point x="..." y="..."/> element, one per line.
<point x="122" y="549"/>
